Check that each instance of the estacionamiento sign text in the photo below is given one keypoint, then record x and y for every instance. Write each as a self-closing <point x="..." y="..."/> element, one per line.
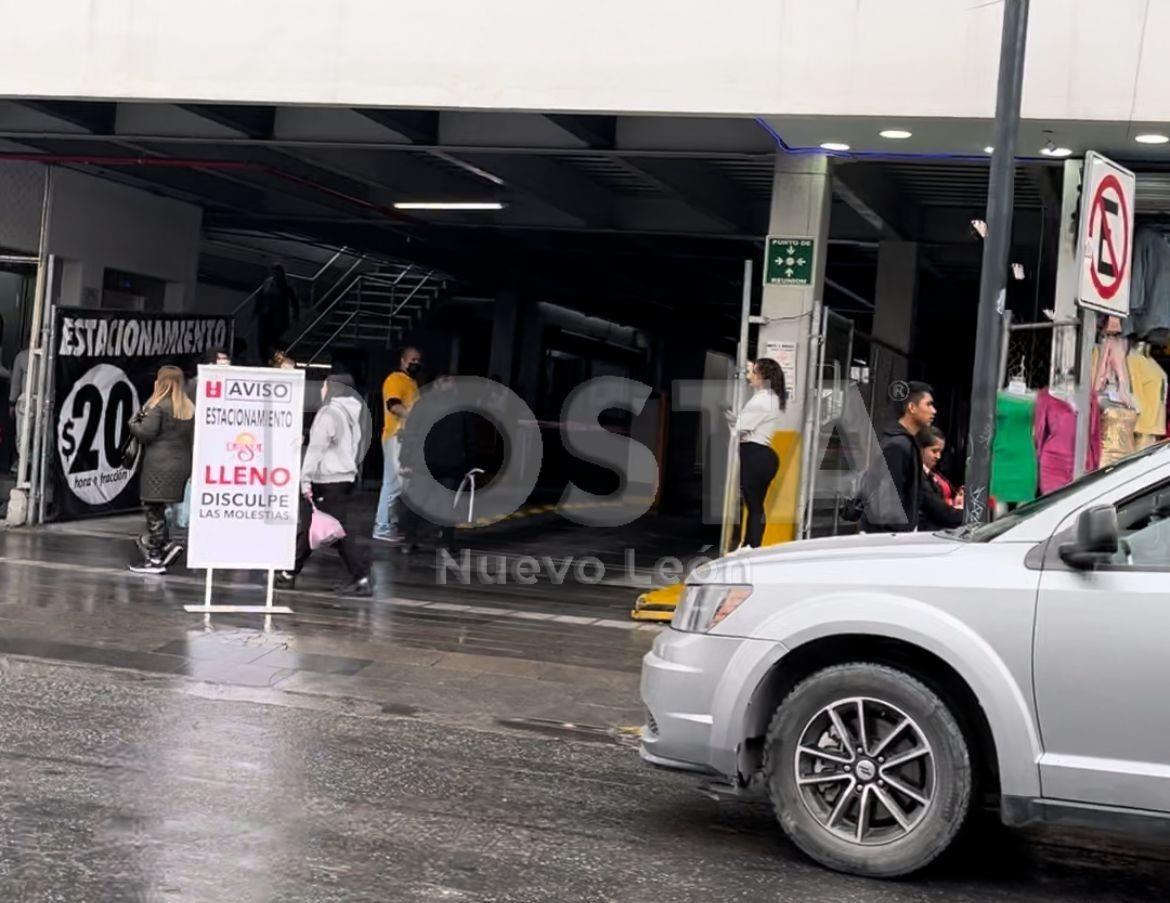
<point x="131" y="336"/>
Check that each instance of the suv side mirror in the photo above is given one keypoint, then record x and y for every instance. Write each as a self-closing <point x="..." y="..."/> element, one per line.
<point x="1097" y="538"/>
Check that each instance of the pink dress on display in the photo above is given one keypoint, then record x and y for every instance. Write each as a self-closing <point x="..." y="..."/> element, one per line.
<point x="1054" y="430"/>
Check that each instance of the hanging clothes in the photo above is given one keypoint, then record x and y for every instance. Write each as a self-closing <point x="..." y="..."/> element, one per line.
<point x="1147" y="379"/>
<point x="1117" y="437"/>
<point x="1149" y="290"/>
<point x="1110" y="373"/>
<point x="1013" y="455"/>
<point x="1054" y="430"/>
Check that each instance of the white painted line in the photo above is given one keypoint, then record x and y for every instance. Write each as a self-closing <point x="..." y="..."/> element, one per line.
<point x="619" y="625"/>
<point x="513" y="614"/>
<point x="247" y="609"/>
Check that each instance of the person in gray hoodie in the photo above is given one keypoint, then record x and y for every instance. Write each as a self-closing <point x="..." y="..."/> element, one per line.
<point x="338" y="441"/>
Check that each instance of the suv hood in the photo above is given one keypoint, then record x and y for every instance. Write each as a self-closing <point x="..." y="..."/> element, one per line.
<point x="842" y="548"/>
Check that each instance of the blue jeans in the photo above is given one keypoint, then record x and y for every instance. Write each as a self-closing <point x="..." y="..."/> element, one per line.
<point x="385" y="520"/>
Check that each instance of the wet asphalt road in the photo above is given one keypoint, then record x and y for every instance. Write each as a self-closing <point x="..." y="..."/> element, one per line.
<point x="117" y="786"/>
<point x="394" y="749"/>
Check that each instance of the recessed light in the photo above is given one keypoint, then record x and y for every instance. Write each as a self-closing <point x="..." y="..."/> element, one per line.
<point x="895" y="134"/>
<point x="448" y="205"/>
<point x="834" y="146"/>
<point x="989" y="149"/>
<point x="1152" y="138"/>
<point x="980" y="227"/>
<point x="1018" y="271"/>
<point x="1051" y="150"/>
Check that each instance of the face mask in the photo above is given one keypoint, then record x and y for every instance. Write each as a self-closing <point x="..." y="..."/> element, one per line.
<point x="413" y="369"/>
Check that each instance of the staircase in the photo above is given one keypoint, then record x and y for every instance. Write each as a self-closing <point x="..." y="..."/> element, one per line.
<point x="371" y="305"/>
<point x="356" y="300"/>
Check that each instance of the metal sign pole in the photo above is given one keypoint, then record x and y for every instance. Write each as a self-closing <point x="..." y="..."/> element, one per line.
<point x="730" y="494"/>
<point x="993" y="276"/>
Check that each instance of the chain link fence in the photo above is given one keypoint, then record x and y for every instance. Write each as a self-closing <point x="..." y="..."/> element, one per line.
<point x="22" y="192"/>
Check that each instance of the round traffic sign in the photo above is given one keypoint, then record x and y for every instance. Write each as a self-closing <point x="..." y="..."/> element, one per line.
<point x="1109" y="252"/>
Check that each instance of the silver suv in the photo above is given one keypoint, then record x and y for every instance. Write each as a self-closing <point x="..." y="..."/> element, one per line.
<point x="877" y="686"/>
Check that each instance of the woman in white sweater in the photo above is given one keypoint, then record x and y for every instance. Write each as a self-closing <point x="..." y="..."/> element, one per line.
<point x="755" y="426"/>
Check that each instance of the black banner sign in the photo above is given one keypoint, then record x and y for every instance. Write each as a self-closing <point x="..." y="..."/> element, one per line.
<point x="104" y="371"/>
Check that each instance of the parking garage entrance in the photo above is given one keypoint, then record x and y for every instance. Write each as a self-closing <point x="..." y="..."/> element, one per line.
<point x="542" y="251"/>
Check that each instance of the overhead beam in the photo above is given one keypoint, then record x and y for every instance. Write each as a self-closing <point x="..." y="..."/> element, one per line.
<point x="96" y="118"/>
<point x="549" y="181"/>
<point x="253" y="121"/>
<point x="417" y="126"/>
<point x="853" y="199"/>
<point x="594" y="131"/>
<point x="706" y="191"/>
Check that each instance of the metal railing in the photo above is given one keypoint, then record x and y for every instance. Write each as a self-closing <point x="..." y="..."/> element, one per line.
<point x="358" y="285"/>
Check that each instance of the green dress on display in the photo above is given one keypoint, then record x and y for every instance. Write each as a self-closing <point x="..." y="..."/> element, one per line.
<point x="1013" y="454"/>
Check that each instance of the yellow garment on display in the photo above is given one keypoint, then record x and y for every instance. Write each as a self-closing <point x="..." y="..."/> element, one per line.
<point x="1117" y="434"/>
<point x="397" y="385"/>
<point x="1148" y="381"/>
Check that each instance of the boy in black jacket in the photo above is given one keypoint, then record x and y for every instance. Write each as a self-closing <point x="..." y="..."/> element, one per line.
<point x="892" y="503"/>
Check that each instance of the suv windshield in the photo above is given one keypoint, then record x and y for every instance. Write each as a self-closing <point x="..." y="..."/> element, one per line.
<point x="988" y="532"/>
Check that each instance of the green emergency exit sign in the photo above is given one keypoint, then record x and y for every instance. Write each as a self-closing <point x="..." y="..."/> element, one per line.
<point x="789" y="261"/>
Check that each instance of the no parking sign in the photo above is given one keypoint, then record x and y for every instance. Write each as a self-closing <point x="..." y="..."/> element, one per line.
<point x="1105" y="240"/>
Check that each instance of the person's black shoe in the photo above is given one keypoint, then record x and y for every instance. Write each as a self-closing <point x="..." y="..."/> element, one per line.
<point x="148" y="566"/>
<point x="359" y="587"/>
<point x="284" y="580"/>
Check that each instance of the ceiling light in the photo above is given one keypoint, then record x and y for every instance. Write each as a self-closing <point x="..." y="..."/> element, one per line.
<point x="895" y="134"/>
<point x="449" y="205"/>
<point x="1152" y="138"/>
<point x="1051" y="150"/>
<point x="834" y="146"/>
<point x="989" y="149"/>
<point x="1018" y="271"/>
<point x="980" y="227"/>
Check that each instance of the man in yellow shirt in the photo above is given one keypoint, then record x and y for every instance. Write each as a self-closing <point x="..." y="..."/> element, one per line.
<point x="399" y="392"/>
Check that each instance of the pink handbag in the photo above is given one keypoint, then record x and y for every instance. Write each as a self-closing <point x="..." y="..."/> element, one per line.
<point x="324" y="529"/>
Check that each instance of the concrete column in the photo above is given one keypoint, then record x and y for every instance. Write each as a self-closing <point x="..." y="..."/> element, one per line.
<point x="175" y="297"/>
<point x="503" y="338"/>
<point x="530" y="342"/>
<point x="801" y="203"/>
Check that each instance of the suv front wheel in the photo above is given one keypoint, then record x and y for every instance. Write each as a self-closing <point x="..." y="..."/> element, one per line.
<point x="868" y="770"/>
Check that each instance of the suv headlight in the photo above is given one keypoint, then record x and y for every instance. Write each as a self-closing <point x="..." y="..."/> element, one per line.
<point x="704" y="605"/>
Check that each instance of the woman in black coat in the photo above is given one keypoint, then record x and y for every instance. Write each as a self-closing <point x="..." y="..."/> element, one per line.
<point x="165" y="428"/>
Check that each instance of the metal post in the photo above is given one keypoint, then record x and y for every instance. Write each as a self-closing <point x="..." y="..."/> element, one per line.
<point x="44" y="426"/>
<point x="730" y="495"/>
<point x="1005" y="341"/>
<point x="993" y="276"/>
<point x="816" y="387"/>
<point x="268" y="595"/>
<point x="1085" y="388"/>
<point x="808" y="428"/>
<point x="34" y="338"/>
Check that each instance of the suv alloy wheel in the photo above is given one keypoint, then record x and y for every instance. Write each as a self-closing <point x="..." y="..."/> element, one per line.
<point x="868" y="770"/>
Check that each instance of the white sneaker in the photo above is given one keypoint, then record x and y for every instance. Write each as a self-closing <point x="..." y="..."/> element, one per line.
<point x="150" y="566"/>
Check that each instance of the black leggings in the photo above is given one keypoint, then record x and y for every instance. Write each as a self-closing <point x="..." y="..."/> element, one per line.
<point x="335" y="499"/>
<point x="757" y="467"/>
<point x="158" y="534"/>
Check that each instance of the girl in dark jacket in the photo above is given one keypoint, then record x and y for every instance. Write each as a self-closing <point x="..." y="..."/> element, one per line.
<point x="165" y="428"/>
<point x="941" y="507"/>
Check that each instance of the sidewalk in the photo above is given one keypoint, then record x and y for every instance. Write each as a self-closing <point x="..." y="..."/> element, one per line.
<point x="473" y="654"/>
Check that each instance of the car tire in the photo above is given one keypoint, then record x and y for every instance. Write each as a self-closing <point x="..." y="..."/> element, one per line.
<point x="819" y="801"/>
